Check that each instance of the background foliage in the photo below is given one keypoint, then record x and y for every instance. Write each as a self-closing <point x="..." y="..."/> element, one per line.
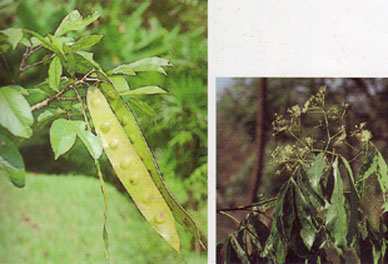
<point x="174" y="125"/>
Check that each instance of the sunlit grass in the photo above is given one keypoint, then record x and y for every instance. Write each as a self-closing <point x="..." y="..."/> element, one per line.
<point x="59" y="219"/>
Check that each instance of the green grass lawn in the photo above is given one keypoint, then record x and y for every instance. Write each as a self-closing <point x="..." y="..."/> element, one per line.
<point x="59" y="219"/>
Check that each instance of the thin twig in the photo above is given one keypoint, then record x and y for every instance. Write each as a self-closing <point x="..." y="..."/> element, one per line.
<point x="58" y="95"/>
<point x="82" y="108"/>
<point x="247" y="207"/>
<point x="67" y="99"/>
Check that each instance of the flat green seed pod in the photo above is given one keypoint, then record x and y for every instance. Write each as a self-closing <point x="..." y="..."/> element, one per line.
<point x="133" y="131"/>
<point x="131" y="170"/>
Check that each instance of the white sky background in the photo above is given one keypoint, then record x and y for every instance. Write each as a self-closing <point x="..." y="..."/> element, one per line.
<point x="296" y="38"/>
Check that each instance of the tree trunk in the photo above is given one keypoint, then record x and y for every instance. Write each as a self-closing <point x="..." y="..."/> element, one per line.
<point x="259" y="141"/>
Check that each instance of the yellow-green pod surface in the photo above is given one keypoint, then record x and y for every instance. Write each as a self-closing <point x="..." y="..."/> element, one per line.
<point x="135" y="134"/>
<point x="130" y="169"/>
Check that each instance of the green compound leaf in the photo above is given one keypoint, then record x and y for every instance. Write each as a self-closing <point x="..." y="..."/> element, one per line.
<point x="133" y="131"/>
<point x="15" y="35"/>
<point x="336" y="212"/>
<point x="130" y="168"/>
<point x="54" y="74"/>
<point x="62" y="136"/>
<point x="86" y="42"/>
<point x="15" y="112"/>
<point x="146" y="90"/>
<point x="74" y="21"/>
<point x="11" y="162"/>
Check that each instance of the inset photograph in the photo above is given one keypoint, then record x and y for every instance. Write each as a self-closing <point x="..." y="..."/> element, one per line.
<point x="301" y="170"/>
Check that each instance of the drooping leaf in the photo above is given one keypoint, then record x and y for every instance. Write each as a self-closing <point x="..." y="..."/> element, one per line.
<point x="62" y="136"/>
<point x="257" y="232"/>
<point x="122" y="69"/>
<point x="240" y="252"/>
<point x="56" y="42"/>
<point x="307" y="231"/>
<point x="82" y="62"/>
<point x="354" y="203"/>
<point x="230" y="255"/>
<point x="274" y="246"/>
<point x="15" y="112"/>
<point x="74" y="21"/>
<point x="15" y="35"/>
<point x="130" y="169"/>
<point x="146" y="90"/>
<point x="315" y="172"/>
<point x="91" y="141"/>
<point x="383" y="179"/>
<point x="86" y="42"/>
<point x="368" y="167"/>
<point x="336" y="212"/>
<point x="150" y="64"/>
<point x="11" y="162"/>
<point x="120" y="83"/>
<point x="49" y="114"/>
<point x="143" y="107"/>
<point x="46" y="43"/>
<point x="54" y="74"/>
<point x="133" y="131"/>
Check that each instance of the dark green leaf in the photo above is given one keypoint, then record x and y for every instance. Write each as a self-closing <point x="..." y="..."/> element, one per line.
<point x="62" y="136"/>
<point x="274" y="245"/>
<point x="82" y="62"/>
<point x="15" y="112"/>
<point x="86" y="42"/>
<point x="336" y="212"/>
<point x="11" y="161"/>
<point x="354" y="203"/>
<point x="54" y="74"/>
<point x="368" y="167"/>
<point x="383" y="179"/>
<point x="315" y="172"/>
<point x="74" y="21"/>
<point x="257" y="231"/>
<point x="14" y="35"/>
<point x="240" y="252"/>
<point x="146" y="90"/>
<point x="303" y="206"/>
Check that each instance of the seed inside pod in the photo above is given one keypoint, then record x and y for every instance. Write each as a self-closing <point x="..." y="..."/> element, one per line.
<point x="114" y="143"/>
<point x="125" y="163"/>
<point x="105" y="127"/>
